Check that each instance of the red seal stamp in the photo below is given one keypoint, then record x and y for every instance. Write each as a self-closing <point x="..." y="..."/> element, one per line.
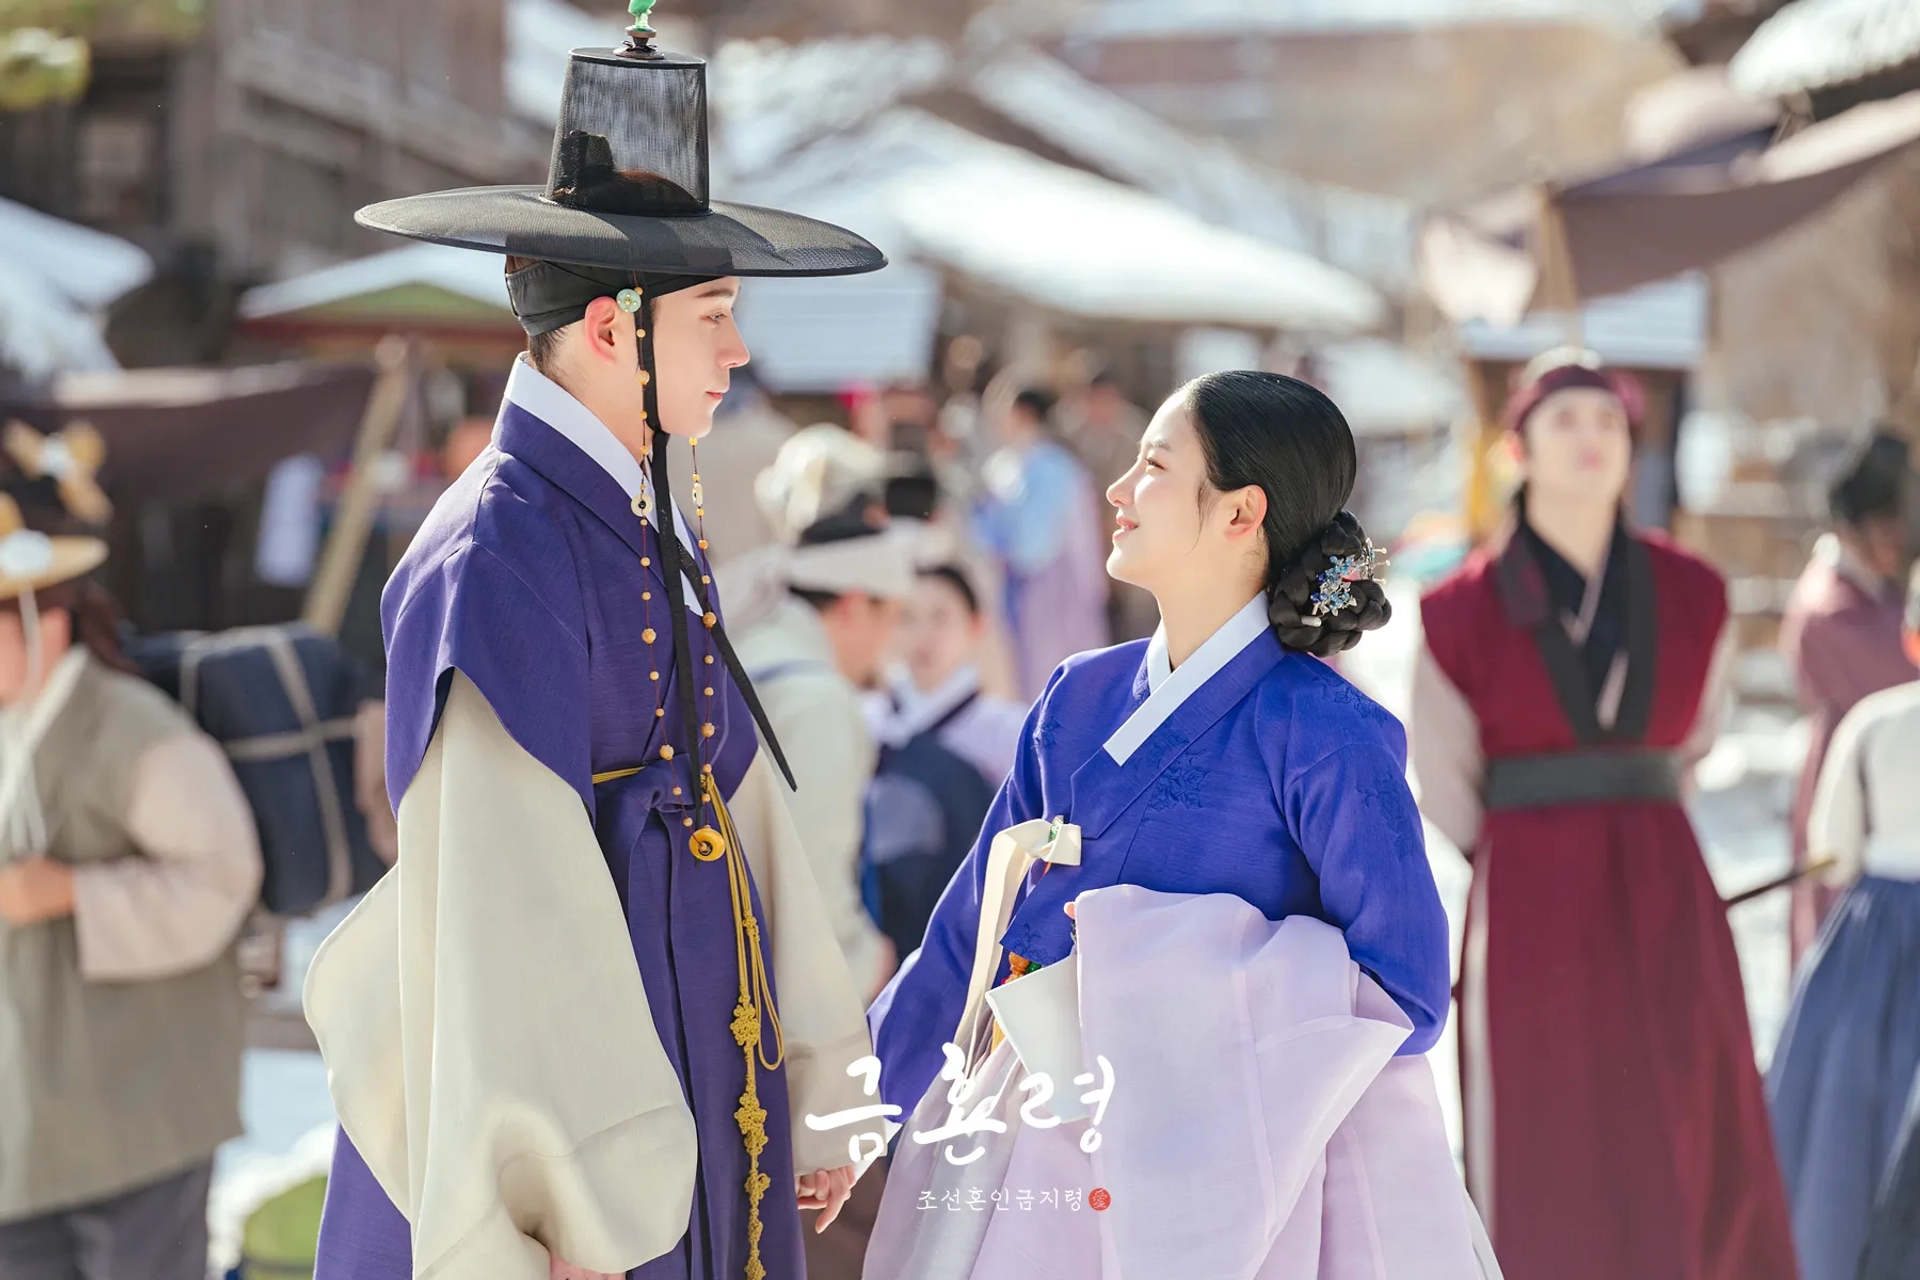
<point x="1098" y="1198"/>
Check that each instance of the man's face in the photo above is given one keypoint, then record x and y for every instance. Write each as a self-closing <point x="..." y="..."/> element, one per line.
<point x="861" y="628"/>
<point x="1577" y="447"/>
<point x="696" y="346"/>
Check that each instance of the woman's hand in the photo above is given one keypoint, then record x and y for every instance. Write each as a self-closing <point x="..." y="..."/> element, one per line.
<point x="34" y="891"/>
<point x="826" y="1191"/>
<point x="558" y="1270"/>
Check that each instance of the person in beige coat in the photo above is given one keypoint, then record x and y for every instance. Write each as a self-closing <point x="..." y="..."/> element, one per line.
<point x="128" y="861"/>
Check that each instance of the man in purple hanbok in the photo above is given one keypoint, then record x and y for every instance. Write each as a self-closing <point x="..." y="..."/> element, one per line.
<point x="581" y="1028"/>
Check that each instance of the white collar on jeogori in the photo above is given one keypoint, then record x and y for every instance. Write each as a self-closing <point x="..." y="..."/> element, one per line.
<point x="1173" y="686"/>
<point x="554" y="405"/>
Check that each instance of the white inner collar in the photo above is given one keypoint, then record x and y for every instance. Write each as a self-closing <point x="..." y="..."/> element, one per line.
<point x="554" y="405"/>
<point x="917" y="711"/>
<point x="1171" y="687"/>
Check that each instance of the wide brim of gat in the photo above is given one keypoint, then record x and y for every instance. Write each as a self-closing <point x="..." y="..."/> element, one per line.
<point x="730" y="240"/>
<point x="72" y="558"/>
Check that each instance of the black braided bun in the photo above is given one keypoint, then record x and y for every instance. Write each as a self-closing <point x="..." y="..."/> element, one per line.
<point x="1290" y="598"/>
<point x="1289" y="439"/>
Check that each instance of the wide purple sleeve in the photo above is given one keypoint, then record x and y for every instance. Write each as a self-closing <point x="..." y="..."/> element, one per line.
<point x="1355" y="820"/>
<point x="477" y="612"/>
<point x="917" y="1013"/>
<point x="362" y="1236"/>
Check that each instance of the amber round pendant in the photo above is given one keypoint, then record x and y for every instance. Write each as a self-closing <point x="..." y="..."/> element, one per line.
<point x="708" y="845"/>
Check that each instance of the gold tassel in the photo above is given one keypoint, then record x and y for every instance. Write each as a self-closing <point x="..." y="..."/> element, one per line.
<point x="753" y="1014"/>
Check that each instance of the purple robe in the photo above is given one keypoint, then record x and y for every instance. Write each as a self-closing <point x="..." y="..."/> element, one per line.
<point x="527" y="578"/>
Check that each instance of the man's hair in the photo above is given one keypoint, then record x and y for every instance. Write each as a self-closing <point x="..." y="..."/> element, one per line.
<point x="820" y="600"/>
<point x="543" y="349"/>
<point x="1037" y="402"/>
<point x="1871" y="482"/>
<point x="956" y="577"/>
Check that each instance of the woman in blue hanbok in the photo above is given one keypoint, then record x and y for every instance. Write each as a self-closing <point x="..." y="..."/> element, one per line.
<point x="1844" y="1084"/>
<point x="1174" y="798"/>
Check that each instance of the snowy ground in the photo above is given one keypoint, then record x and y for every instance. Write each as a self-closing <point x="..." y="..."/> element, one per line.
<point x="1740" y="810"/>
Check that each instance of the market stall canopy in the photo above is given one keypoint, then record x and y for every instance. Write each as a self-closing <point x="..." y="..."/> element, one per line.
<point x="1546" y="248"/>
<point x="1057" y="237"/>
<point x="174" y="435"/>
<point x="56" y="278"/>
<point x="427" y="289"/>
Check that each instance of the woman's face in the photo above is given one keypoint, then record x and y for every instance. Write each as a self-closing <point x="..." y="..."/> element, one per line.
<point x="1167" y="515"/>
<point x="1576" y="446"/>
<point x="938" y="633"/>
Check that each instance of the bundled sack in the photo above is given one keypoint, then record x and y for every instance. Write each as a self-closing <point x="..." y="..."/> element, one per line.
<point x="281" y="700"/>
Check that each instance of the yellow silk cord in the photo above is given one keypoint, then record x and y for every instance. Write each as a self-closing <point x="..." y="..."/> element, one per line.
<point x="754" y="1012"/>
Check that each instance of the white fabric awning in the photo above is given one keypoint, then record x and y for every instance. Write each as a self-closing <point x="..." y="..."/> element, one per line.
<point x="1057" y="237"/>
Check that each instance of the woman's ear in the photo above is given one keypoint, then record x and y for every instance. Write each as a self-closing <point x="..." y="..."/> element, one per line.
<point x="1246" y="511"/>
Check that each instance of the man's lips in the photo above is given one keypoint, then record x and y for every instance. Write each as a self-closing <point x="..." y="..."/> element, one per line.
<point x="1124" y="526"/>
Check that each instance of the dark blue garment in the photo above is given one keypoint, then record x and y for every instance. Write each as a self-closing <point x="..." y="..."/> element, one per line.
<point x="1276" y="781"/>
<point x="527" y="577"/>
<point x="1845" y="1069"/>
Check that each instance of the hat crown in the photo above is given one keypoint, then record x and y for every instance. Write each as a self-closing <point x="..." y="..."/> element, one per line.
<point x="632" y="134"/>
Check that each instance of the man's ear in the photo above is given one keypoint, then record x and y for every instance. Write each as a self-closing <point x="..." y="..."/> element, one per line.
<point x="603" y="317"/>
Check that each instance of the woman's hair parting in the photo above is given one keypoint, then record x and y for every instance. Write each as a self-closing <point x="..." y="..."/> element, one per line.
<point x="956" y="577"/>
<point x="1285" y="436"/>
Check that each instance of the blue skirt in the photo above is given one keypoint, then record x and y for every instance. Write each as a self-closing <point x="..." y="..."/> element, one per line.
<point x="1845" y="1071"/>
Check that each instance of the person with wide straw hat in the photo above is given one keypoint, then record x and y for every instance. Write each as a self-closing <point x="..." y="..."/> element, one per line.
<point x="572" y="754"/>
<point x="128" y="861"/>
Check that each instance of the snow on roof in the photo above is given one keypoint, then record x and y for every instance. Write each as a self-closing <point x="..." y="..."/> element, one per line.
<point x="462" y="272"/>
<point x="1657" y="326"/>
<point x="1127" y="19"/>
<point x="43" y="332"/>
<point x="1058" y="237"/>
<point x="1367" y="234"/>
<point x="88" y="267"/>
<point x="774" y="98"/>
<point x="1382" y="387"/>
<point x="55" y="277"/>
<point x="540" y="34"/>
<point x="1817" y="44"/>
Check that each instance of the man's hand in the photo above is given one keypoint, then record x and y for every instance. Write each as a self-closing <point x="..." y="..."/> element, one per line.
<point x="825" y="1191"/>
<point x="558" y="1270"/>
<point x="35" y="890"/>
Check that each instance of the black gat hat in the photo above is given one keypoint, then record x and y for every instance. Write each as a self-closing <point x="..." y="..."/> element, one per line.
<point x="627" y="189"/>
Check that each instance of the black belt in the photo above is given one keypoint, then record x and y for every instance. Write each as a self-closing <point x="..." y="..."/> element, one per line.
<point x="1581" y="777"/>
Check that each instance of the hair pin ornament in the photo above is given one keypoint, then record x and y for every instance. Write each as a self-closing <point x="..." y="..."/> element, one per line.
<point x="1333" y="590"/>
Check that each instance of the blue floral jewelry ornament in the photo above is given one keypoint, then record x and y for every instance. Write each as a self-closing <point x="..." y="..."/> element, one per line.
<point x="628" y="300"/>
<point x="1333" y="590"/>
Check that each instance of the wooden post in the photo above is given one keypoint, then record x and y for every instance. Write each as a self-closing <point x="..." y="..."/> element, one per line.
<point x="353" y="519"/>
<point x="1559" y="285"/>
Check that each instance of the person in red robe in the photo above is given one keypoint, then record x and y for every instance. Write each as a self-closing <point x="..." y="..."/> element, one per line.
<point x="1615" y="1122"/>
<point x="1841" y="632"/>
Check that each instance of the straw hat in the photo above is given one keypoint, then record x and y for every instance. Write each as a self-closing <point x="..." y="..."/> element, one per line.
<point x="32" y="561"/>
